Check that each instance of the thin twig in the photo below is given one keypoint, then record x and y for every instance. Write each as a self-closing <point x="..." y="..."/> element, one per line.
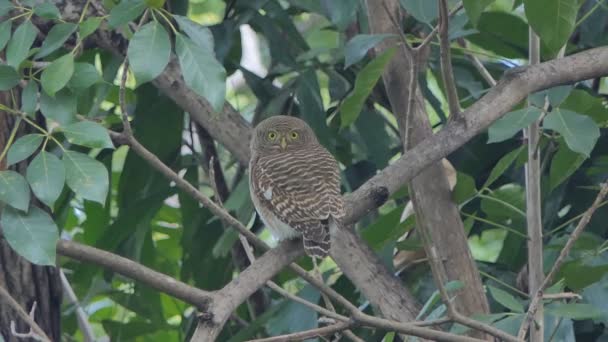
<point x="81" y="316"/>
<point x="303" y="335"/>
<point x="533" y="202"/>
<point x="429" y="38"/>
<point x="451" y="309"/>
<point x="35" y="330"/>
<point x="560" y="259"/>
<point x="447" y="73"/>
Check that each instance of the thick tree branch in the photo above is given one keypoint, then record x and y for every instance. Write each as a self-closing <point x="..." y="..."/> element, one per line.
<point x="511" y="90"/>
<point x="136" y="271"/>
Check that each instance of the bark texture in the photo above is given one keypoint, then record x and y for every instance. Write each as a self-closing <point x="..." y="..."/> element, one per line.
<point x="436" y="213"/>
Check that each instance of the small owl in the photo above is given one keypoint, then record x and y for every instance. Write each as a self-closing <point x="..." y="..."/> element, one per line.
<point x="295" y="183"/>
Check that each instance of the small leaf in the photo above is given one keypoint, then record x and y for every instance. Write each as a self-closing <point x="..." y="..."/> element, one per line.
<point x="14" y="190"/>
<point x="202" y="72"/>
<point x="33" y="235"/>
<point x="341" y="12"/>
<point x="46" y="176"/>
<point x="19" y="46"/>
<point x="8" y="77"/>
<point x="552" y="20"/>
<point x="57" y="75"/>
<point x="365" y="82"/>
<point x="87" y="177"/>
<point x="357" y="47"/>
<point x="511" y="123"/>
<point x="197" y="32"/>
<point x="5" y="33"/>
<point x="577" y="311"/>
<point x="506" y="299"/>
<point x="55" y="39"/>
<point x="579" y="131"/>
<point x="87" y="27"/>
<point x="474" y="8"/>
<point x="29" y="98"/>
<point x="23" y="148"/>
<point x="149" y="52"/>
<point x="85" y="75"/>
<point x="47" y="10"/>
<point x="61" y="109"/>
<point x="423" y="10"/>
<point x="502" y="166"/>
<point x="126" y="11"/>
<point x="88" y="133"/>
<point x="564" y="164"/>
<point x="557" y="95"/>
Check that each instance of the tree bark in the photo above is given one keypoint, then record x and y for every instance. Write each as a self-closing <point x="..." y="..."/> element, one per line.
<point x="26" y="283"/>
<point x="436" y="213"/>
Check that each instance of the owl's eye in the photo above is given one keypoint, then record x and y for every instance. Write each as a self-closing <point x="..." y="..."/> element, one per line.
<point x="271" y="135"/>
<point x="294" y="135"/>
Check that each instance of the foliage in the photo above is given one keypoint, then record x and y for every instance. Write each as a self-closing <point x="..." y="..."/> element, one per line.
<point x="314" y="67"/>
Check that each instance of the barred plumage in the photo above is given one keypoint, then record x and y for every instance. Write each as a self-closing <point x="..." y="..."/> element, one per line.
<point x="295" y="183"/>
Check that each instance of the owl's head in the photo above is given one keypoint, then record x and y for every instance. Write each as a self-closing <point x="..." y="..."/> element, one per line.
<point x="282" y="134"/>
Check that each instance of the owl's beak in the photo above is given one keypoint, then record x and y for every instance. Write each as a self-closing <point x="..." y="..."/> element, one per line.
<point x="283" y="143"/>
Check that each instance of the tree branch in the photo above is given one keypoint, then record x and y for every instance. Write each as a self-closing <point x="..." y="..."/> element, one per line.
<point x="136" y="271"/>
<point x="303" y="335"/>
<point x="561" y="258"/>
<point x="35" y="328"/>
<point x="447" y="74"/>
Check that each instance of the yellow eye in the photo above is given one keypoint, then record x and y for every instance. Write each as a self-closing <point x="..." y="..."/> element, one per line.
<point x="272" y="135"/>
<point x="294" y="135"/>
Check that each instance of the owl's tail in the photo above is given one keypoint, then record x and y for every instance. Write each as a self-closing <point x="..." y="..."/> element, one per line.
<point x="317" y="248"/>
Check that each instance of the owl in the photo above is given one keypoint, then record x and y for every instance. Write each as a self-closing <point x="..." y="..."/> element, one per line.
<point x="295" y="183"/>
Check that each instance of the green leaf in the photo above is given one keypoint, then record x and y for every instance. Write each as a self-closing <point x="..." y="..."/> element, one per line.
<point x="55" y="39"/>
<point x="564" y="164"/>
<point x="85" y="75"/>
<point x="126" y="11"/>
<point x="502" y="165"/>
<point x="357" y="47"/>
<point x="14" y="190"/>
<point x="29" y="98"/>
<point x="8" y="77"/>
<point x="506" y="299"/>
<point x="557" y="95"/>
<point x="88" y="26"/>
<point x="474" y="9"/>
<point x="88" y="133"/>
<point x="61" y="109"/>
<point x="511" y="123"/>
<point x="202" y="72"/>
<point x="5" y="7"/>
<point x="197" y="32"/>
<point x="465" y="188"/>
<point x="5" y="33"/>
<point x="57" y="75"/>
<point x="46" y="176"/>
<point x="87" y="177"/>
<point x="19" y="46"/>
<point x="365" y="82"/>
<point x="33" y="235"/>
<point x="577" y="311"/>
<point x="341" y="12"/>
<point x="149" y="52"/>
<point x="47" y="10"/>
<point x="423" y="10"/>
<point x="579" y="131"/>
<point x="552" y="20"/>
<point x="23" y="148"/>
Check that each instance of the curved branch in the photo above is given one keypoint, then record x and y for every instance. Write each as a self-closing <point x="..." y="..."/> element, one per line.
<point x="133" y="270"/>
